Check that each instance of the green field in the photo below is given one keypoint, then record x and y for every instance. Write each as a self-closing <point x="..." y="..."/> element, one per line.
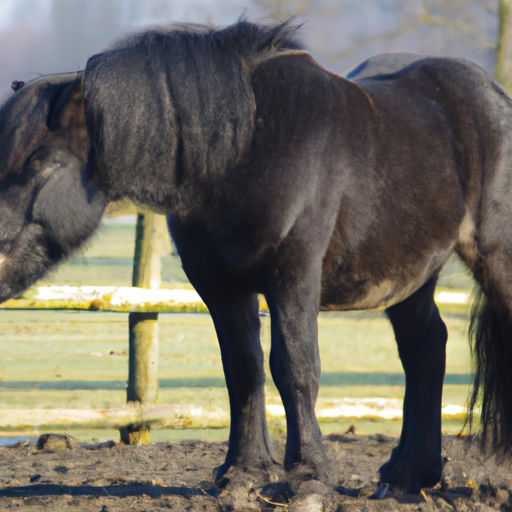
<point x="79" y="360"/>
<point x="108" y="260"/>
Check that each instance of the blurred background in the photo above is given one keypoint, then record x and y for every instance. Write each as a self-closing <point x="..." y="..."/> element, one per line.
<point x="48" y="36"/>
<point x="58" y="360"/>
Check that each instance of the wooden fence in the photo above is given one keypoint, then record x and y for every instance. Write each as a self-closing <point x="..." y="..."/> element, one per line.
<point x="142" y="386"/>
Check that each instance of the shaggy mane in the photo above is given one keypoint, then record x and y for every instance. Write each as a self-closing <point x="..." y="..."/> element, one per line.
<point x="188" y="89"/>
<point x="244" y="37"/>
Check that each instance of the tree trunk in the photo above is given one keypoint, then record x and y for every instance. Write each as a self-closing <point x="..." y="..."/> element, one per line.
<point x="503" y="46"/>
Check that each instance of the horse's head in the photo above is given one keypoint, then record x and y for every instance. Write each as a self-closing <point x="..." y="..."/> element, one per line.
<point x="48" y="204"/>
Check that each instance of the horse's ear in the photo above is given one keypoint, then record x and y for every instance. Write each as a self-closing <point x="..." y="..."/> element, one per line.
<point x="66" y="105"/>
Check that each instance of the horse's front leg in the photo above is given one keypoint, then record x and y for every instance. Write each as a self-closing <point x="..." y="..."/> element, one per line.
<point x="236" y="319"/>
<point x="421" y="337"/>
<point x="293" y="299"/>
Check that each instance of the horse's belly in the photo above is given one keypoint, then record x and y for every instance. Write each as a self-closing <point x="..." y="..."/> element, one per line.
<point x="361" y="288"/>
<point x="383" y="294"/>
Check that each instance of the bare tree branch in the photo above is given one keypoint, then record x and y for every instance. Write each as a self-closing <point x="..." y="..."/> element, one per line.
<point x="456" y="25"/>
<point x="368" y="41"/>
<point x="409" y="24"/>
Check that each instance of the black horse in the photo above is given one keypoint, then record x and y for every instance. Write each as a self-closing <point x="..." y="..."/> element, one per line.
<point x="278" y="177"/>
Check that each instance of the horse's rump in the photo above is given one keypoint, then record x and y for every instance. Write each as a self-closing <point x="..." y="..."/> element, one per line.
<point x="416" y="197"/>
<point x="478" y="115"/>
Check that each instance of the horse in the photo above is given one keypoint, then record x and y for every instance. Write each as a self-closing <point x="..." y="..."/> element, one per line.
<point x="281" y="178"/>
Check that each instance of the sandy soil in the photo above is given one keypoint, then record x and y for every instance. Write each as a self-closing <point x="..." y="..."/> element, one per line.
<point x="61" y="475"/>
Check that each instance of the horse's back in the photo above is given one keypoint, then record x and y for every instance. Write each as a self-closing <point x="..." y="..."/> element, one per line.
<point x="383" y="64"/>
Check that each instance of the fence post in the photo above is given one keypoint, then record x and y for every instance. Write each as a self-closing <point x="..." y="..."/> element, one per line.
<point x="143" y="328"/>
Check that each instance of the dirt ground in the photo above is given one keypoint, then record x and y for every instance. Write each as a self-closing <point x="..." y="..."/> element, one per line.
<point x="61" y="475"/>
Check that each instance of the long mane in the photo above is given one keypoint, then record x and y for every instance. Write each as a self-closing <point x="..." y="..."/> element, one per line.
<point x="175" y="100"/>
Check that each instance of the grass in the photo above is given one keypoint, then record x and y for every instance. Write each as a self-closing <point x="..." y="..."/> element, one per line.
<point x="49" y="357"/>
<point x="66" y="352"/>
<point x="76" y="346"/>
<point x="108" y="260"/>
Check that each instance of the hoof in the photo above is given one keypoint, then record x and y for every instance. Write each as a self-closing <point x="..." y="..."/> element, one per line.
<point x="409" y="476"/>
<point x="258" y="476"/>
<point x="219" y="473"/>
<point x="241" y="487"/>
<point x="301" y="473"/>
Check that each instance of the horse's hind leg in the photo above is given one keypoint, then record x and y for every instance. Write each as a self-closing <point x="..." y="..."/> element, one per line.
<point x="236" y="319"/>
<point x="421" y="337"/>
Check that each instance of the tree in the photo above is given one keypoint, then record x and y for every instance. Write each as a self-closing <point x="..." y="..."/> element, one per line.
<point x="502" y="70"/>
<point x="459" y="19"/>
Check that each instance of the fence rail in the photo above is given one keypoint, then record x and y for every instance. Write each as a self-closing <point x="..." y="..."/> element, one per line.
<point x="143" y="301"/>
<point x="132" y="300"/>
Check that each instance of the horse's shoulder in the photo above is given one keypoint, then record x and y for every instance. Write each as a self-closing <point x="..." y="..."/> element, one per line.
<point x="292" y="78"/>
<point x="293" y="70"/>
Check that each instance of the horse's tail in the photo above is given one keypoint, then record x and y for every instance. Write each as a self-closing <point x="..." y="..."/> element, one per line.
<point x="491" y="345"/>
